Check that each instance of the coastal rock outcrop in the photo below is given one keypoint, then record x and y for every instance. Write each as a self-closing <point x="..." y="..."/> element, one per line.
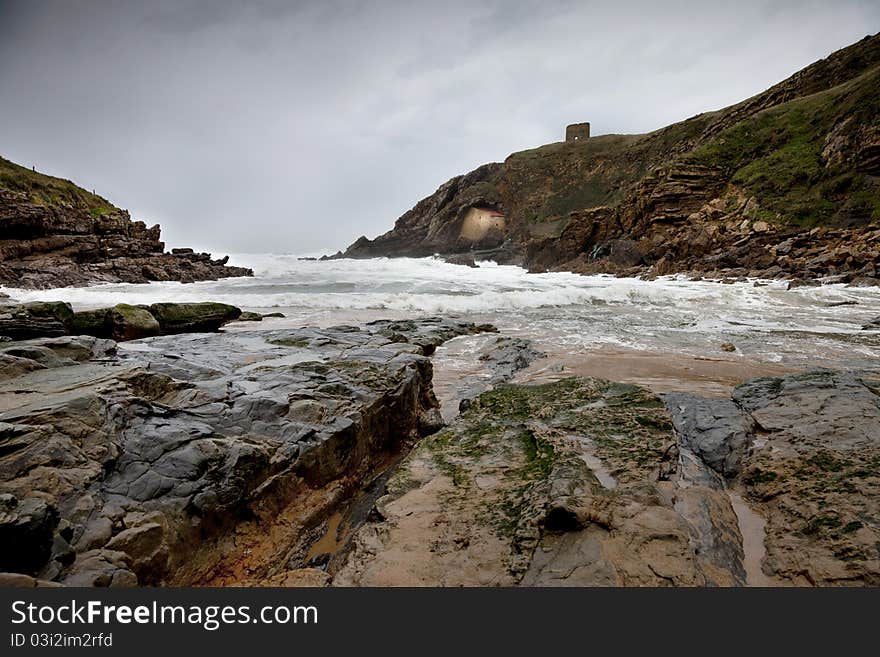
<point x="568" y="483"/>
<point x="201" y="459"/>
<point x="121" y="322"/>
<point x="274" y="457"/>
<point x="814" y="474"/>
<point x="55" y="234"/>
<point x="782" y="185"/>
<point x="588" y="482"/>
<point x="716" y="430"/>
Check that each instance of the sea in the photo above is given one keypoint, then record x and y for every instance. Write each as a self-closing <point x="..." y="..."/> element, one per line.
<point x="767" y="322"/>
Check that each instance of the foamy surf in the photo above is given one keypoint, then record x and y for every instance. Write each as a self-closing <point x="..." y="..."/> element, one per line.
<point x="820" y="325"/>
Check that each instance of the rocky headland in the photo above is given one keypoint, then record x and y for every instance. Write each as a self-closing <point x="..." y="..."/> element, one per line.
<point x="782" y="185"/>
<point x="55" y="234"/>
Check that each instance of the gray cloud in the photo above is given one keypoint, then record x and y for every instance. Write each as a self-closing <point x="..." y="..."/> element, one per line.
<point x="279" y="126"/>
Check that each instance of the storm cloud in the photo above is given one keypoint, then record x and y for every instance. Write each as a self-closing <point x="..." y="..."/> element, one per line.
<point x="296" y="127"/>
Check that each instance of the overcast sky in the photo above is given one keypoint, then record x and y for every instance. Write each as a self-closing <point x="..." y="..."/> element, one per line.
<point x="296" y="127"/>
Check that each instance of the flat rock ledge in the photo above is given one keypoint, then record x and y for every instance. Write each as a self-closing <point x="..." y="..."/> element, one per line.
<point x="42" y="319"/>
<point x="199" y="459"/>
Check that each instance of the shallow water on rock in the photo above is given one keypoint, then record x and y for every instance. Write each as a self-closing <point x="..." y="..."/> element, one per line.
<point x="751" y="526"/>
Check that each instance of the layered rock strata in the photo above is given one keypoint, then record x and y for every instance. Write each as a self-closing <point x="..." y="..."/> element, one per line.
<point x="55" y="234"/>
<point x="175" y="460"/>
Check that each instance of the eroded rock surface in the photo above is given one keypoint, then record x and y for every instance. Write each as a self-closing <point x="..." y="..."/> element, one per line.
<point x="181" y="457"/>
<point x="569" y="483"/>
<point x="586" y="482"/>
<point x="273" y="457"/>
<point x="814" y="475"/>
<point x="715" y="429"/>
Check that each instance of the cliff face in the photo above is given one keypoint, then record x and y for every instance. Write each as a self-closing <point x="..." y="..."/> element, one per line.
<point x="786" y="183"/>
<point x="55" y="234"/>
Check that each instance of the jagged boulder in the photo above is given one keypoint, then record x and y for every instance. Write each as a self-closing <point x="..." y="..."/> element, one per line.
<point x="101" y="568"/>
<point x="146" y="548"/>
<point x="716" y="430"/>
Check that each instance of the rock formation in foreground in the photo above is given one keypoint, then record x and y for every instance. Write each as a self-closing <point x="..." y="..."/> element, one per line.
<point x="55" y="234"/>
<point x="195" y="459"/>
<point x="584" y="482"/>
<point x="784" y="184"/>
<point x="51" y="319"/>
<point x="315" y="456"/>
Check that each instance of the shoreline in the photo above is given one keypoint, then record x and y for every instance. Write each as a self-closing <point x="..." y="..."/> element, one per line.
<point x="284" y="451"/>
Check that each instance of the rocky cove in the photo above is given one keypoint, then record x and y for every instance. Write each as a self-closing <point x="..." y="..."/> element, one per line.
<point x="659" y="366"/>
<point x="368" y="454"/>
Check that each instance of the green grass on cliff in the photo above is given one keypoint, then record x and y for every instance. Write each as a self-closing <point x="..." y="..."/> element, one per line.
<point x="551" y="181"/>
<point x="547" y="183"/>
<point x="777" y="156"/>
<point x="48" y="190"/>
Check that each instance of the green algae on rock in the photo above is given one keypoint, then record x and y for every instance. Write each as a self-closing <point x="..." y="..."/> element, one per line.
<point x="529" y="475"/>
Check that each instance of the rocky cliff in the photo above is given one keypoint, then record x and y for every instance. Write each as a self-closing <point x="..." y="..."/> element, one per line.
<point x="786" y="183"/>
<point x="55" y="234"/>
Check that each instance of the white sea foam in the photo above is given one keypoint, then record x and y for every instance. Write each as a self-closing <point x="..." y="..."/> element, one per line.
<point x="672" y="313"/>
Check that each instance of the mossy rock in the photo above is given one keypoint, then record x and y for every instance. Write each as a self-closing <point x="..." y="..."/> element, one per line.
<point x="250" y="317"/>
<point x="193" y="317"/>
<point x="60" y="310"/>
<point x="91" y="322"/>
<point x="35" y="320"/>
<point x="131" y="323"/>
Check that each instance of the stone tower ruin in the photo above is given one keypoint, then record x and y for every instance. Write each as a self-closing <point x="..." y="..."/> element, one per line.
<point x="577" y="132"/>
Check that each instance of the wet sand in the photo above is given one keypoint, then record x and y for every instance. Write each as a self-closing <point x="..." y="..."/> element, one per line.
<point x="751" y="527"/>
<point x="459" y="373"/>
<point x="660" y="372"/>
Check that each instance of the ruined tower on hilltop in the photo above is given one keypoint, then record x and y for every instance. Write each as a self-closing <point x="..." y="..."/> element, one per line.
<point x="577" y="132"/>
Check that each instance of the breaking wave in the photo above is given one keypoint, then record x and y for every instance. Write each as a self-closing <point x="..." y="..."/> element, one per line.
<point x="669" y="313"/>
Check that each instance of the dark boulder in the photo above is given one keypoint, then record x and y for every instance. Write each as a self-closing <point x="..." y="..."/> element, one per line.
<point x="131" y="323"/>
<point x="35" y="320"/>
<point x="91" y="322"/>
<point x="716" y="430"/>
<point x="26" y="533"/>
<point x="203" y="317"/>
